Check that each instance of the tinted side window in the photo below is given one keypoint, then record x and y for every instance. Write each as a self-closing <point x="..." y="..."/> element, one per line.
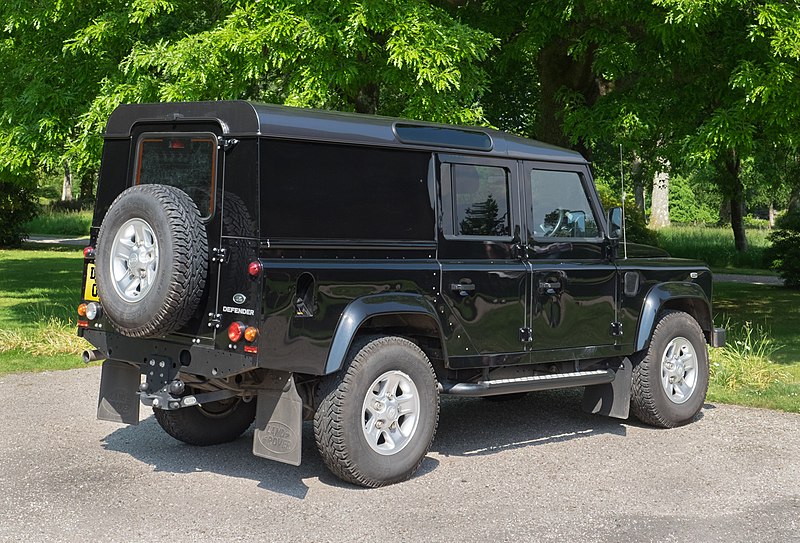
<point x="328" y="191"/>
<point x="560" y="206"/>
<point x="480" y="200"/>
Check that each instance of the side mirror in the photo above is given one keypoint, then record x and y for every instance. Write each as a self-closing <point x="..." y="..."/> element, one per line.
<point x="615" y="223"/>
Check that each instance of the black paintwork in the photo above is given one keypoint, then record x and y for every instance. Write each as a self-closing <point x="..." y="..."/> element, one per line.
<point x="366" y="245"/>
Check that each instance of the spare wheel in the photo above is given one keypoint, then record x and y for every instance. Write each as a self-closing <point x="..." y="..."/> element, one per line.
<point x="152" y="260"/>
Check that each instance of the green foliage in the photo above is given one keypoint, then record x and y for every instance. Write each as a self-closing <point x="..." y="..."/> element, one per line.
<point x="635" y="223"/>
<point x="17" y="206"/>
<point x="404" y="58"/>
<point x="746" y="359"/>
<point x="784" y="255"/>
<point x="714" y="246"/>
<point x="685" y="204"/>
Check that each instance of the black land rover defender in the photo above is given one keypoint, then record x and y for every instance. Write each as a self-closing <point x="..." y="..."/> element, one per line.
<point x="257" y="262"/>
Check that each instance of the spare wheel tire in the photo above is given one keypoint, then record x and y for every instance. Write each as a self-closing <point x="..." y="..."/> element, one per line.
<point x="152" y="260"/>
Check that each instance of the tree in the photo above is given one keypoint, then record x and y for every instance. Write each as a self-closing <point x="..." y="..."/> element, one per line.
<point x="406" y="58"/>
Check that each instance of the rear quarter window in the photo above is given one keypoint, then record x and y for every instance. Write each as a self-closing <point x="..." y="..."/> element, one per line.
<point x="332" y="191"/>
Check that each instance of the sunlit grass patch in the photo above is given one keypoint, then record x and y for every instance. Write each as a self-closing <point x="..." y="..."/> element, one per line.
<point x="715" y="246"/>
<point x="60" y="223"/>
<point x="745" y="362"/>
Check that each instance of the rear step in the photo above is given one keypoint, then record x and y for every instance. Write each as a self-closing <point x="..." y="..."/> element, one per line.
<point x="530" y="384"/>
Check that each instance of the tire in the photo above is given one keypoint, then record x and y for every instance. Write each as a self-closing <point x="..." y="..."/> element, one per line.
<point x="209" y="424"/>
<point x="670" y="378"/>
<point x="376" y="445"/>
<point x="152" y="260"/>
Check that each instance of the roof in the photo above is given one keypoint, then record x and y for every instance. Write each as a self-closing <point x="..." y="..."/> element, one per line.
<point x="241" y="118"/>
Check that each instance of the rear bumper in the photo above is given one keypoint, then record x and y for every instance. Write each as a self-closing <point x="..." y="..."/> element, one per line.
<point x="170" y="357"/>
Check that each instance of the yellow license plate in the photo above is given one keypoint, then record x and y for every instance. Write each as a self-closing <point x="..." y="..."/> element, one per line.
<point x="90" y="288"/>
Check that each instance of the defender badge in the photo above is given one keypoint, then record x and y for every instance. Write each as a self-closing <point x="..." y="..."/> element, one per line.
<point x="239" y="298"/>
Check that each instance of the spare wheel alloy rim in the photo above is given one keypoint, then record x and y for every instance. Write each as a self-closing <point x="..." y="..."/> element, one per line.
<point x="679" y="370"/>
<point x="391" y="412"/>
<point x="134" y="260"/>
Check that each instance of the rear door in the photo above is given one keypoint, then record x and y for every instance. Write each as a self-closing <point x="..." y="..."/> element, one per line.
<point x="484" y="280"/>
<point x="573" y="304"/>
<point x="188" y="156"/>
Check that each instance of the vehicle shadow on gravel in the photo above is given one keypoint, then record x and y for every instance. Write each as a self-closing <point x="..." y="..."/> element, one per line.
<point x="148" y="443"/>
<point x="477" y="426"/>
<point x="467" y="427"/>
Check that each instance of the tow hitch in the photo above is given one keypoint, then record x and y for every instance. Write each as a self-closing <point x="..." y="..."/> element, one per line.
<point x="169" y="398"/>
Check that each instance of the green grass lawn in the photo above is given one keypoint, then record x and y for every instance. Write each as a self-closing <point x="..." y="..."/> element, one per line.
<point x="60" y="223"/>
<point x="714" y="245"/>
<point x="777" y="310"/>
<point x="39" y="291"/>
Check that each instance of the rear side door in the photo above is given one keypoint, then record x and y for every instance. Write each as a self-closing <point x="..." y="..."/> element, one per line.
<point x="485" y="283"/>
<point x="573" y="304"/>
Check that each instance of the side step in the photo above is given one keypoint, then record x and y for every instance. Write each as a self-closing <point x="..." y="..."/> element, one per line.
<point x="530" y="384"/>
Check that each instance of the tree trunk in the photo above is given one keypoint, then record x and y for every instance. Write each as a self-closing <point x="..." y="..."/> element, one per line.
<point x="725" y="211"/>
<point x="794" y="200"/>
<point x="559" y="70"/>
<point x="366" y="100"/>
<point x="86" y="187"/>
<point x="637" y="178"/>
<point x="772" y="214"/>
<point x="66" y="187"/>
<point x="659" y="201"/>
<point x="732" y="186"/>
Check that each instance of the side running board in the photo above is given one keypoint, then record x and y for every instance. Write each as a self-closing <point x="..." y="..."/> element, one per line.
<point x="530" y="384"/>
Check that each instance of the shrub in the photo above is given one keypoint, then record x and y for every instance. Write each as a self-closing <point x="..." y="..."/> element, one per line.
<point x="635" y="224"/>
<point x="17" y="207"/>
<point x="745" y="360"/>
<point x="784" y="255"/>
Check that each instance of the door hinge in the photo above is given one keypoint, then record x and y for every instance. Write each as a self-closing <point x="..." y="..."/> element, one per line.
<point x="616" y="328"/>
<point x="227" y="143"/>
<point x="214" y="320"/>
<point x="525" y="335"/>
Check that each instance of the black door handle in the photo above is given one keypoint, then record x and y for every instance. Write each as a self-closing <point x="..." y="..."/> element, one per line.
<point x="462" y="288"/>
<point x="551" y="288"/>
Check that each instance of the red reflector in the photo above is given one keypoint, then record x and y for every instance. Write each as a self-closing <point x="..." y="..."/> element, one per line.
<point x="236" y="331"/>
<point x="254" y="268"/>
<point x="88" y="252"/>
<point x="83" y="324"/>
<point x="252" y="349"/>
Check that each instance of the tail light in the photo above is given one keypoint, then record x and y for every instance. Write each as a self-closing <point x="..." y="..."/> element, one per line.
<point x="254" y="268"/>
<point x="88" y="252"/>
<point x="236" y="331"/>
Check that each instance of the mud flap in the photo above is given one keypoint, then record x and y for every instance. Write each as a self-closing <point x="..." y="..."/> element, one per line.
<point x="279" y="421"/>
<point x="119" y="393"/>
<point x="611" y="399"/>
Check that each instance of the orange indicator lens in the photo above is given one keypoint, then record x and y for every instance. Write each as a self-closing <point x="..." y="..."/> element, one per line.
<point x="251" y="333"/>
<point x="82" y="310"/>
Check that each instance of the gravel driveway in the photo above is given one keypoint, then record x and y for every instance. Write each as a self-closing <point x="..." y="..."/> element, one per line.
<point x="535" y="469"/>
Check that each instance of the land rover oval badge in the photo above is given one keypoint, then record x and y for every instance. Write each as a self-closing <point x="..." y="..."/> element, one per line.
<point x="239" y="298"/>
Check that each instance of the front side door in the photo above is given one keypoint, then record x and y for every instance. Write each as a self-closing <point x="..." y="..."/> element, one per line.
<point x="484" y="281"/>
<point x="573" y="304"/>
